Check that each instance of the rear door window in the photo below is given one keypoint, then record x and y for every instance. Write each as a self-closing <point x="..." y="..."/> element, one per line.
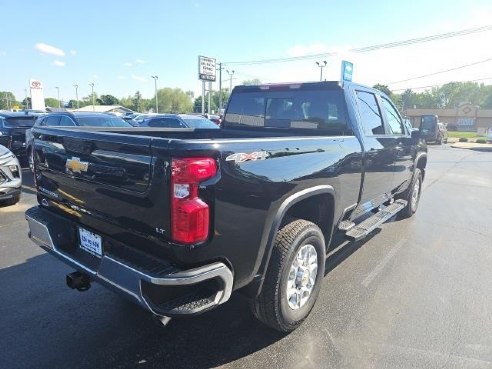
<point x="66" y="121"/>
<point x="392" y="117"/>
<point x="370" y="114"/>
<point x="51" y="121"/>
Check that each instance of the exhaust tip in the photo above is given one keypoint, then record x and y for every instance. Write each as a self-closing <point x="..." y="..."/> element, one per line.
<point x="78" y="281"/>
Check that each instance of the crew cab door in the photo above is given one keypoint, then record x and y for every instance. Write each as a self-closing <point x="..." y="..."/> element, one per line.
<point x="378" y="158"/>
<point x="400" y="143"/>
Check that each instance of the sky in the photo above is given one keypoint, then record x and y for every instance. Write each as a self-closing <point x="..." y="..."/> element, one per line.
<point x="119" y="45"/>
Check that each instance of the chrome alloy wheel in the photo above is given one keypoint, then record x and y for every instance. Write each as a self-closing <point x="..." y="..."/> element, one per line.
<point x="415" y="194"/>
<point x="302" y="276"/>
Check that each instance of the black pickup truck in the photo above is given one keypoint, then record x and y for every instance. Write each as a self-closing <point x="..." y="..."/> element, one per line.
<point x="178" y="219"/>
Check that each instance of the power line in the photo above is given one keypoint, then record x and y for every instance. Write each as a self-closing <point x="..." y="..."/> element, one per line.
<point x="443" y="71"/>
<point x="368" y="48"/>
<point x="418" y="88"/>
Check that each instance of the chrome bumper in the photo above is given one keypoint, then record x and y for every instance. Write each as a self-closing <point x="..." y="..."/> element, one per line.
<point x="47" y="230"/>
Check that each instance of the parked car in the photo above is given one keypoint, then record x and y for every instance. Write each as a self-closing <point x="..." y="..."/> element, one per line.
<point x="10" y="177"/>
<point x="74" y="119"/>
<point x="177" y="219"/>
<point x="432" y="130"/>
<point x="13" y="127"/>
<point x="489" y="135"/>
<point x="212" y="117"/>
<point x="178" y="121"/>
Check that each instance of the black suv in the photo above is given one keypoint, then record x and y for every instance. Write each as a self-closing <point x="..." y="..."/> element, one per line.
<point x="75" y="119"/>
<point x="13" y="128"/>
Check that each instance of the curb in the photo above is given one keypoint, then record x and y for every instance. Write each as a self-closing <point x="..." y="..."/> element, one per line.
<point x="475" y="147"/>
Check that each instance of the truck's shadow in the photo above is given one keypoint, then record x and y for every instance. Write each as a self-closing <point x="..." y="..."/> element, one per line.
<point x="47" y="325"/>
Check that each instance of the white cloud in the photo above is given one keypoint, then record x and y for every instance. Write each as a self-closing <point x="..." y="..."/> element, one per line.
<point x="121" y="77"/>
<point x="49" y="49"/>
<point x="139" y="78"/>
<point x="73" y="52"/>
<point x="59" y="63"/>
<point x="139" y="61"/>
<point x="127" y="64"/>
<point x="3" y="53"/>
<point x="302" y="50"/>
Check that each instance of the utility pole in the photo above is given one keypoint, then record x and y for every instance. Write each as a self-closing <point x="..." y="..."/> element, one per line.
<point x="59" y="102"/>
<point x="27" y="101"/>
<point x="155" y="89"/>
<point x="77" y="94"/>
<point x="230" y="73"/>
<point x="321" y="66"/>
<point x="92" y="93"/>
<point x="220" y="88"/>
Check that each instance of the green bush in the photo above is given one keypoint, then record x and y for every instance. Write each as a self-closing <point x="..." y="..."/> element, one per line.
<point x="481" y="141"/>
<point x="463" y="139"/>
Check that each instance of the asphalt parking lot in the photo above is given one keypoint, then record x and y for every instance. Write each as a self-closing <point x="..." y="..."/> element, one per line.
<point x="417" y="294"/>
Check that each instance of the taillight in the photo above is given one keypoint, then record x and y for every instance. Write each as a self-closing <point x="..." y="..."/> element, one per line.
<point x="190" y="216"/>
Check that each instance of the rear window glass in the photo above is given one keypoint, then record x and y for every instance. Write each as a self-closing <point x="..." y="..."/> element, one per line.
<point x="103" y="121"/>
<point x="19" y="122"/>
<point x="428" y="122"/>
<point x="318" y="110"/>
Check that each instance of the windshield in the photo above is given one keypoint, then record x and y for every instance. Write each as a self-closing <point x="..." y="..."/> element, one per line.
<point x="18" y="122"/>
<point x="200" y="123"/>
<point x="428" y="123"/>
<point x="103" y="121"/>
<point x="301" y="109"/>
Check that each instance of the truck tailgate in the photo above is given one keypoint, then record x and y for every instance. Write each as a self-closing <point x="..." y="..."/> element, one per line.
<point x="103" y="179"/>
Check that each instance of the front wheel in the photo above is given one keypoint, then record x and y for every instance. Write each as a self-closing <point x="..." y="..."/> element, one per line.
<point x="412" y="195"/>
<point x="294" y="276"/>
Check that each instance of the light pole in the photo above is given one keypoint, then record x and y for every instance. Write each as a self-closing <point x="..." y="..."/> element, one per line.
<point x="92" y="93"/>
<point x="230" y="73"/>
<point x="155" y="90"/>
<point x="77" y="94"/>
<point x="59" y="103"/>
<point x="220" y="88"/>
<point x="321" y="66"/>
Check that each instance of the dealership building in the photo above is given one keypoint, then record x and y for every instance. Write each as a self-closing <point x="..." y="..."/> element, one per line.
<point x="466" y="117"/>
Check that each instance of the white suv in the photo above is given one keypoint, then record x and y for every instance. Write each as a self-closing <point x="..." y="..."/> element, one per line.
<point x="10" y="177"/>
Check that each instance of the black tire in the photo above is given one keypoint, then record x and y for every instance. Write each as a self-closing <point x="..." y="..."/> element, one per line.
<point x="14" y="200"/>
<point x="412" y="207"/>
<point x="271" y="306"/>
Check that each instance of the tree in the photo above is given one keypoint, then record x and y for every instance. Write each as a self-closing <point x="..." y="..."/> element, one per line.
<point x="7" y="100"/>
<point x="173" y="100"/>
<point x="214" y="104"/>
<point x="252" y="82"/>
<point x="108" y="100"/>
<point x="382" y="88"/>
<point x="51" y="102"/>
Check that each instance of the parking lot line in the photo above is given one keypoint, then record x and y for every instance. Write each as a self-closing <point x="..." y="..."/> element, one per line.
<point x="374" y="273"/>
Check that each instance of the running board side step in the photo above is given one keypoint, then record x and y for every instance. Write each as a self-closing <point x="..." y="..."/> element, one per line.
<point x="367" y="226"/>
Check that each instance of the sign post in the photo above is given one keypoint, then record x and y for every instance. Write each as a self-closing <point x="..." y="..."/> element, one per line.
<point x="37" y="96"/>
<point x="206" y="72"/>
<point x="347" y="71"/>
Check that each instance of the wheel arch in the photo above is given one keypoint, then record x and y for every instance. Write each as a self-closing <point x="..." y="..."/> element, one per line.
<point x="321" y="198"/>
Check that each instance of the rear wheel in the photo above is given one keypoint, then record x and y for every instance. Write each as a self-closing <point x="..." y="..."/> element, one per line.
<point x="294" y="276"/>
<point x="412" y="195"/>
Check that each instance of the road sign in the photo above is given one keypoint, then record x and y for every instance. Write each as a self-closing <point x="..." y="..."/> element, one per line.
<point x="206" y="68"/>
<point x="347" y="70"/>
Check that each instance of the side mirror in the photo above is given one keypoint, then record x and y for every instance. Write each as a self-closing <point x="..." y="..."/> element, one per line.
<point x="415" y="134"/>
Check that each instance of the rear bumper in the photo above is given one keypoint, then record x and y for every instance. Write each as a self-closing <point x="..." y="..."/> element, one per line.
<point x="155" y="285"/>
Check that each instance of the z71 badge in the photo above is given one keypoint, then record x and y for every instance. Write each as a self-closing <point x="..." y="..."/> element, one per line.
<point x="241" y="157"/>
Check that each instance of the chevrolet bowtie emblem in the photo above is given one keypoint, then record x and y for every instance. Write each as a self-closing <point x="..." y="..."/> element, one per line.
<point x="76" y="166"/>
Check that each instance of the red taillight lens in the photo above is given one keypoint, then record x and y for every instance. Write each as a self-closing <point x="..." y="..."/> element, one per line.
<point x="190" y="216"/>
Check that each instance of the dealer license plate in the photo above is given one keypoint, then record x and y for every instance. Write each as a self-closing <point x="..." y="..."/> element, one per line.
<point x="90" y="242"/>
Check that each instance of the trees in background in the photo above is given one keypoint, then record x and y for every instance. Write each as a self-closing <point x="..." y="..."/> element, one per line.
<point x="447" y="96"/>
